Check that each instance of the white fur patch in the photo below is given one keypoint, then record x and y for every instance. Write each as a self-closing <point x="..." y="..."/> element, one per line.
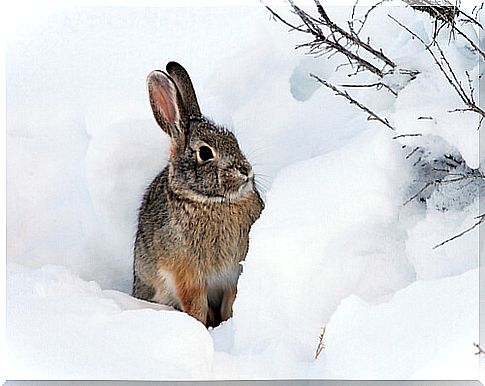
<point x="225" y="278"/>
<point x="243" y="190"/>
<point x="168" y="294"/>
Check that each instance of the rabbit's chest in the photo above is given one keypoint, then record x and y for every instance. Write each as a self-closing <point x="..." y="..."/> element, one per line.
<point x="217" y="236"/>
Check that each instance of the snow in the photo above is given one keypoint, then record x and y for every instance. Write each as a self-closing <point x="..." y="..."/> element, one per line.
<point x="84" y="332"/>
<point x="334" y="247"/>
<point x="323" y="221"/>
<point x="409" y="346"/>
<point x="132" y="340"/>
<point x="451" y="258"/>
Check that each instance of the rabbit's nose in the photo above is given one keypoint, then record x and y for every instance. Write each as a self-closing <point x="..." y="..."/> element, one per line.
<point x="244" y="170"/>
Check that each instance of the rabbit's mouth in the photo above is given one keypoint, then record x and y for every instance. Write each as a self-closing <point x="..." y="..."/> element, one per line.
<point x="245" y="188"/>
<point x="231" y="196"/>
<point x="237" y="187"/>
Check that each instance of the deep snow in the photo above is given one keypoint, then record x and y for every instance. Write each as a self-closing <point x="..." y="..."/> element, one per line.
<point x="335" y="245"/>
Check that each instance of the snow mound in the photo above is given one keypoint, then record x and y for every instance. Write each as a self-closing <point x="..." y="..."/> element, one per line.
<point x="400" y="339"/>
<point x="314" y="246"/>
<point x="83" y="332"/>
<point x="62" y="327"/>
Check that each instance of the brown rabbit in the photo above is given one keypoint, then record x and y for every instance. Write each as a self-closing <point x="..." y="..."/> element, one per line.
<point x="196" y="215"/>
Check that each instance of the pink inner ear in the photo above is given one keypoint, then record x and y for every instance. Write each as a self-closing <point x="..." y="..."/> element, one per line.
<point x="163" y="94"/>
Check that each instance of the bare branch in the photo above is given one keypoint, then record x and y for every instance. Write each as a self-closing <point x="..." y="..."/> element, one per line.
<point x="352" y="101"/>
<point x="481" y="219"/>
<point x="407" y="135"/>
<point x="470" y="41"/>
<point x="442" y="10"/>
<point x="275" y="15"/>
<point x="322" y="39"/>
<point x="470" y="19"/>
<point x="362" y="20"/>
<point x="460" y="177"/>
<point x="475" y="11"/>
<point x="378" y="86"/>
<point x="412" y="152"/>
<point x="447" y="13"/>
<point x="459" y="110"/>
<point x="454" y="80"/>
<point x="455" y="177"/>
<point x="321" y="344"/>
<point x="330" y="38"/>
<point x="426" y="186"/>
<point x="354" y="38"/>
<point x="447" y="72"/>
<point x="480" y="350"/>
<point x="470" y="86"/>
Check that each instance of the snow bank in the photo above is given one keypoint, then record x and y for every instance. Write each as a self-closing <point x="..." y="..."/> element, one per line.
<point x="61" y="327"/>
<point x="426" y="331"/>
<point x="314" y="246"/>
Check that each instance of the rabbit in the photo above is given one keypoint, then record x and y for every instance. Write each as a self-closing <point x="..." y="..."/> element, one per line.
<point x="195" y="216"/>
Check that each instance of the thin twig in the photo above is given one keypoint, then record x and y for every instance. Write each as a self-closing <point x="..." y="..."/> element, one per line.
<point x="414" y="151"/>
<point x="321" y="344"/>
<point x="362" y="19"/>
<point x="427" y="47"/>
<point x="471" y="42"/>
<point x="443" y="181"/>
<point x="459" y="87"/>
<point x="459" y="110"/>
<point x="470" y="86"/>
<point x="480" y="350"/>
<point x="378" y="85"/>
<point x="426" y="186"/>
<point x="475" y="12"/>
<point x="354" y="38"/>
<point x="321" y="38"/>
<point x="449" y="75"/>
<point x="274" y="14"/>
<point x="346" y="95"/>
<point x="407" y="135"/>
<point x="471" y="19"/>
<point x="481" y="219"/>
<point x="444" y="11"/>
<point x="461" y="177"/>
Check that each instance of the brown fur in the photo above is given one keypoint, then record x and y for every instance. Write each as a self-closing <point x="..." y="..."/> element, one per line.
<point x="195" y="218"/>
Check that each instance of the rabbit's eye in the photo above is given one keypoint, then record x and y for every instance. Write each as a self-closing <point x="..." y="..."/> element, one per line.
<point x="205" y="153"/>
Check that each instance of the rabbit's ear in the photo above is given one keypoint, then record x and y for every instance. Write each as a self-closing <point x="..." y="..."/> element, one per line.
<point x="184" y="84"/>
<point x="167" y="104"/>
